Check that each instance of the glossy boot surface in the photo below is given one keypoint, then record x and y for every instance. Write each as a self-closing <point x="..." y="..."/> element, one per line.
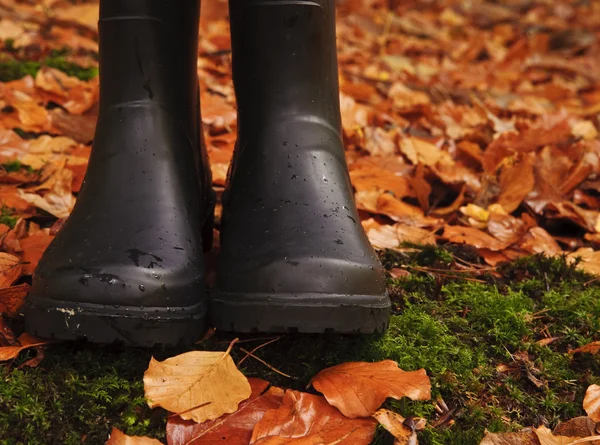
<point x="128" y="263"/>
<point x="294" y="256"/>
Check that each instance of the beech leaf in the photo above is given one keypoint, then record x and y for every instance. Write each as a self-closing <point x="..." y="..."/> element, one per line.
<point x="307" y="419"/>
<point x="26" y="341"/>
<point x="198" y="385"/>
<point x="117" y="437"/>
<point x="395" y="424"/>
<point x="591" y="402"/>
<point x="358" y="389"/>
<point x="232" y="429"/>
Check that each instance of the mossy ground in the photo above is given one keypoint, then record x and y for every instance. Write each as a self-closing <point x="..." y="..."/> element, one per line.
<point x="458" y="329"/>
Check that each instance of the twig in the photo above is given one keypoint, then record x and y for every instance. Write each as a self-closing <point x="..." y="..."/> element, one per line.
<point x="421" y="269"/>
<point x="257" y="348"/>
<point x="266" y="364"/>
<point x="248" y="340"/>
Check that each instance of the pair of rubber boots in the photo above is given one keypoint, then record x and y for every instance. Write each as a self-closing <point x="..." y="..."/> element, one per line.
<point x="128" y="263"/>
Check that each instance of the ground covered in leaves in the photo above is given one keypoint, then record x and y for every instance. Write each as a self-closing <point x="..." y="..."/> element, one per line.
<point x="466" y="123"/>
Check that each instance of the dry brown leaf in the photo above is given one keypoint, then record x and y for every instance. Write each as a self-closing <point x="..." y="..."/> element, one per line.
<point x="33" y="247"/>
<point x="358" y="389"/>
<point x="473" y="237"/>
<point x="581" y="426"/>
<point x="419" y="151"/>
<point x="537" y="240"/>
<point x="117" y="437"/>
<point x="10" y="269"/>
<point x="390" y="237"/>
<point x="59" y="201"/>
<point x="232" y="429"/>
<point x="12" y="299"/>
<point x="526" y="437"/>
<point x="197" y="385"/>
<point x="591" y="402"/>
<point x="506" y="228"/>
<point x="516" y="182"/>
<point x="590" y="260"/>
<point x="591" y="348"/>
<point x="396" y="425"/>
<point x="307" y="419"/>
<point x="26" y="341"/>
<point x="546" y="437"/>
<point x="402" y="212"/>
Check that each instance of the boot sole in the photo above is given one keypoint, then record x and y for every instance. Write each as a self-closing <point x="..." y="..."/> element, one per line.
<point x="99" y="323"/>
<point x="304" y="313"/>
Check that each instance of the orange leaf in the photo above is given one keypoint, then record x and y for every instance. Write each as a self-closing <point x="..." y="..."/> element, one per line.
<point x="591" y="348"/>
<point x="396" y="425"/>
<point x="10" y="269"/>
<point x="26" y="341"/>
<point x="33" y="248"/>
<point x="117" y="437"/>
<point x="307" y="419"/>
<point x="12" y="298"/>
<point x="472" y="236"/>
<point x="358" y="389"/>
<point x="233" y="429"/>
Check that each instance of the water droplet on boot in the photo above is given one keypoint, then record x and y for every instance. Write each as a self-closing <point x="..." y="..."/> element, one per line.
<point x="142" y="288"/>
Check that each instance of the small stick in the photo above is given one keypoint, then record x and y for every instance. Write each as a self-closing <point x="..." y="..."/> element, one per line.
<point x="257" y="348"/>
<point x="266" y="364"/>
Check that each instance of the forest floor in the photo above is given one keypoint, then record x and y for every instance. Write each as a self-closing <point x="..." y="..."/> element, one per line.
<point x="471" y="131"/>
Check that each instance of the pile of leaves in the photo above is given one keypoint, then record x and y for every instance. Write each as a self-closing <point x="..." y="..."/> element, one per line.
<point x="469" y="123"/>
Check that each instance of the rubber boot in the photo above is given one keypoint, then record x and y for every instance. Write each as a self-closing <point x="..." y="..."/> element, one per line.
<point x="294" y="256"/>
<point x="128" y="263"/>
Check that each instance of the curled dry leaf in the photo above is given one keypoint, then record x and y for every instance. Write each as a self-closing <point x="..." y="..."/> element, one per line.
<point x="25" y="341"/>
<point x="581" y="426"/>
<point x="538" y="240"/>
<point x="546" y="437"/>
<point x="591" y="402"/>
<point x="232" y="429"/>
<point x="58" y="201"/>
<point x="198" y="385"/>
<point x="117" y="437"/>
<point x="396" y="425"/>
<point x="307" y="419"/>
<point x="358" y="389"/>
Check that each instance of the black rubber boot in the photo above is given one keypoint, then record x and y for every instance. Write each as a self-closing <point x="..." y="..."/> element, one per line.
<point x="128" y="263"/>
<point x="294" y="256"/>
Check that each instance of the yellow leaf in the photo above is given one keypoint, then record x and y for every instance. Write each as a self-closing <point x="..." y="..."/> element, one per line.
<point x="198" y="385"/>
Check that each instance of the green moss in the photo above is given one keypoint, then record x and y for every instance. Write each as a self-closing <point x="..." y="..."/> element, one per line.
<point x="70" y="68"/>
<point x="460" y="331"/>
<point x="12" y="69"/>
<point x="16" y="165"/>
<point x="7" y="218"/>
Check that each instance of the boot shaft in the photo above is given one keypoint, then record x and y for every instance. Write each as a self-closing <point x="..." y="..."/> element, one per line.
<point x="148" y="52"/>
<point x="284" y="61"/>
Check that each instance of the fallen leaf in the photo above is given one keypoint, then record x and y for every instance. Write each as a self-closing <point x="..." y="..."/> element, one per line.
<point x="526" y="437"/>
<point x="546" y="437"/>
<point x="12" y="299"/>
<point x="419" y="151"/>
<point x="358" y="389"/>
<point x="33" y="248"/>
<point x="473" y="237"/>
<point x="581" y="426"/>
<point x="591" y="402"/>
<point x="10" y="269"/>
<point x="591" y="348"/>
<point x="395" y="424"/>
<point x="59" y="201"/>
<point x="307" y="419"/>
<point x="390" y="237"/>
<point x="197" y="385"/>
<point x="590" y="260"/>
<point x="233" y="429"/>
<point x="537" y="241"/>
<point x="26" y="341"/>
<point x="117" y="437"/>
<point x="516" y="182"/>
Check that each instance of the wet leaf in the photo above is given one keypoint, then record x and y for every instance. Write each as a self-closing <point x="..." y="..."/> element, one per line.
<point x="197" y="385"/>
<point x="307" y="419"/>
<point x="12" y="299"/>
<point x="233" y="429"/>
<point x="359" y="389"/>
